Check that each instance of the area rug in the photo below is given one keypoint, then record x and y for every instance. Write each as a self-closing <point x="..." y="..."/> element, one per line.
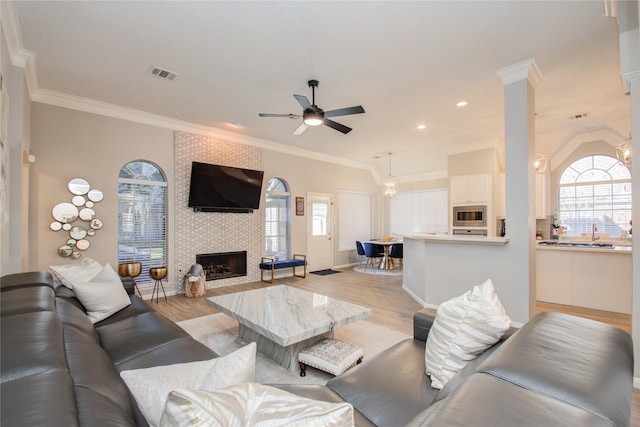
<point x="325" y="272"/>
<point x="369" y="270"/>
<point x="220" y="333"/>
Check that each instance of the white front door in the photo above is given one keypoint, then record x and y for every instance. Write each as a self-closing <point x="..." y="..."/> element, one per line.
<point x="319" y="229"/>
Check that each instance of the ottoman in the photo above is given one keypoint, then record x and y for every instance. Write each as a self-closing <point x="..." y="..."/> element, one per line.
<point x="330" y="355"/>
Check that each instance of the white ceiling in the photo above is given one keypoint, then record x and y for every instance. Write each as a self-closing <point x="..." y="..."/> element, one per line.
<point x="406" y="63"/>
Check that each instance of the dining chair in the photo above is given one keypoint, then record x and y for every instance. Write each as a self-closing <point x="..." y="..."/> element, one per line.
<point x="361" y="253"/>
<point x="372" y="254"/>
<point x="397" y="252"/>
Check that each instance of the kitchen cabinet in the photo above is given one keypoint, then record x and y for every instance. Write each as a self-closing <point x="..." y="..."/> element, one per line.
<point x="597" y="279"/>
<point x="542" y="195"/>
<point x="470" y="189"/>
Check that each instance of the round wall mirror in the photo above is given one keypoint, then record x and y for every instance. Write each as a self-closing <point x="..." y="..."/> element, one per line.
<point x="89" y="204"/>
<point x="71" y="242"/>
<point x="87" y="214"/>
<point x="65" y="212"/>
<point x="55" y="226"/>
<point x="65" y="251"/>
<point x="83" y="244"/>
<point x="66" y="227"/>
<point x="78" y="233"/>
<point x="95" y="195"/>
<point x="91" y="232"/>
<point x="75" y="255"/>
<point x="96" y="224"/>
<point x="78" y="200"/>
<point x="79" y="186"/>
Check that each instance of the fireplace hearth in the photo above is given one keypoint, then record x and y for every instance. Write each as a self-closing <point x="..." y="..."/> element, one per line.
<point x="223" y="265"/>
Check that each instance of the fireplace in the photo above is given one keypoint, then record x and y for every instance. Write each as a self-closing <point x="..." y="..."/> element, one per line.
<point x="223" y="265"/>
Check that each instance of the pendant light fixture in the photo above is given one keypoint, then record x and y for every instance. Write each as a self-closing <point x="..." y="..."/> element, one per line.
<point x="624" y="152"/>
<point x="390" y="184"/>
<point x="540" y="164"/>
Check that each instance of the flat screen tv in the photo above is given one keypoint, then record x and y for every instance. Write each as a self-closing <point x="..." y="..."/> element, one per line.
<point x="216" y="188"/>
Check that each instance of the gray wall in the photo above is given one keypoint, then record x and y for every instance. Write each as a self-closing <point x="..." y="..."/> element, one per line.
<point x="69" y="143"/>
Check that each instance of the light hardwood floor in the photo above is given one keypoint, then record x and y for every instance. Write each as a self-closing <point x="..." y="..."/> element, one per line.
<point x="392" y="307"/>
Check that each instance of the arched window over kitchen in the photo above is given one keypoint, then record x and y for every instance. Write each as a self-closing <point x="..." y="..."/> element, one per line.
<point x="142" y="216"/>
<point x="277" y="219"/>
<point x="595" y="190"/>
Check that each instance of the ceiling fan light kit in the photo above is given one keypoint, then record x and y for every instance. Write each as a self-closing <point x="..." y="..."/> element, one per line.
<point x="312" y="115"/>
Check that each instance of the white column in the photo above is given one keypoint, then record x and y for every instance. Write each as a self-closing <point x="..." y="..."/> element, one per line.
<point x="628" y="16"/>
<point x="519" y="104"/>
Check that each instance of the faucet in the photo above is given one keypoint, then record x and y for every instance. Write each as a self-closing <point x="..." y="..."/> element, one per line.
<point x="594" y="228"/>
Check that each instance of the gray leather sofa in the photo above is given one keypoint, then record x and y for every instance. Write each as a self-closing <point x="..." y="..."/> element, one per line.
<point x="58" y="369"/>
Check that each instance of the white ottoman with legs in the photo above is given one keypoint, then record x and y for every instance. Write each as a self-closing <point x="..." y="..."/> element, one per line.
<point x="330" y="355"/>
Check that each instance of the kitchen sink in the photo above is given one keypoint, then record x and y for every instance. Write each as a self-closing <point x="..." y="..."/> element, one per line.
<point x="576" y="244"/>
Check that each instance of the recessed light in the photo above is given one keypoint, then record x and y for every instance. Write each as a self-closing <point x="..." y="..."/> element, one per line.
<point x="421" y="127"/>
<point x="461" y="104"/>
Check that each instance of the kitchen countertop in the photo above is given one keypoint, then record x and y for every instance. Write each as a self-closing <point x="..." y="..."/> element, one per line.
<point x="615" y="249"/>
<point x="446" y="238"/>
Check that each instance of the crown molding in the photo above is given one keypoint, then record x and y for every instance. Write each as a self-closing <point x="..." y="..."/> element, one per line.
<point x="20" y="57"/>
<point x="58" y="99"/>
<point x="524" y="70"/>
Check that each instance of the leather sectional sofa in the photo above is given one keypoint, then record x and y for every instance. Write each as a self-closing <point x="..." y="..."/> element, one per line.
<point x="58" y="369"/>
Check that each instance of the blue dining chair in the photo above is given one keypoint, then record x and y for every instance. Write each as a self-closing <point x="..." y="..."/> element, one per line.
<point x="397" y="252"/>
<point x="360" y="250"/>
<point x="372" y="254"/>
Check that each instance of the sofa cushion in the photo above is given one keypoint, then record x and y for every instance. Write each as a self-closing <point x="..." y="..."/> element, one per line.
<point x="95" y="410"/>
<point x="92" y="369"/>
<point x="36" y="340"/>
<point x="72" y="316"/>
<point x="252" y="404"/>
<point x="579" y="361"/>
<point x="151" y="386"/>
<point x="137" y="335"/>
<point x="102" y="295"/>
<point x="40" y="399"/>
<point x="27" y="299"/>
<point x="82" y="271"/>
<point x="181" y="350"/>
<point x="137" y="307"/>
<point x="487" y="401"/>
<point x="26" y="280"/>
<point x="388" y="397"/>
<point x="464" y="327"/>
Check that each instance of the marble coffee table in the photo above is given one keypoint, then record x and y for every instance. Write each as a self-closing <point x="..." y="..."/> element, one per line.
<point x="283" y="320"/>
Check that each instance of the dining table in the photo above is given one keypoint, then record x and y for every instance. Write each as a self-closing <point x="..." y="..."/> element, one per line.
<point x="386" y="263"/>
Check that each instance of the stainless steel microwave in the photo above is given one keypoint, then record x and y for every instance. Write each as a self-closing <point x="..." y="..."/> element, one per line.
<point x="470" y="216"/>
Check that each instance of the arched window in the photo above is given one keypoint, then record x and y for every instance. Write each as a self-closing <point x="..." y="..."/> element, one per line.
<point x="595" y="190"/>
<point x="277" y="219"/>
<point x="142" y="217"/>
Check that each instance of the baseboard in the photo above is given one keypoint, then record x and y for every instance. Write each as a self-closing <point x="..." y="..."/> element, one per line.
<point x="636" y="382"/>
<point x="417" y="299"/>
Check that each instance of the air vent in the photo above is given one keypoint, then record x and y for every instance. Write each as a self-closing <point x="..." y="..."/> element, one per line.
<point x="578" y="116"/>
<point x="163" y="74"/>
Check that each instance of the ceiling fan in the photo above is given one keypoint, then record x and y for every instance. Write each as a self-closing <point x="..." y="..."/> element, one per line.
<point x="312" y="115"/>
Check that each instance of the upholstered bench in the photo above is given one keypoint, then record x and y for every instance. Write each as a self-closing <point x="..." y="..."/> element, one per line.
<point x="331" y="356"/>
<point x="273" y="264"/>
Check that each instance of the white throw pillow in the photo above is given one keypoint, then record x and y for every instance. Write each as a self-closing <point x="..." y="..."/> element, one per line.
<point x="103" y="295"/>
<point x="464" y="328"/>
<point x="252" y="404"/>
<point x="151" y="386"/>
<point x="82" y="271"/>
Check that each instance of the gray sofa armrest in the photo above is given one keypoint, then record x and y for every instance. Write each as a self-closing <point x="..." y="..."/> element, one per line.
<point x="422" y="321"/>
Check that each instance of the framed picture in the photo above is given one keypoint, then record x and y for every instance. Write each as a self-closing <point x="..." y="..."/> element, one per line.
<point x="299" y="205"/>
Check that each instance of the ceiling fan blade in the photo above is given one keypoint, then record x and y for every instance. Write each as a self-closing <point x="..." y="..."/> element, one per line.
<point x="337" y="126"/>
<point x="300" y="129"/>
<point x="290" y="116"/>
<point x="344" y="111"/>
<point x="303" y="101"/>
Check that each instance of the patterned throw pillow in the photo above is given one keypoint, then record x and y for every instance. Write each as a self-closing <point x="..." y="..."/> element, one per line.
<point x="464" y="328"/>
<point x="252" y="404"/>
<point x="151" y="386"/>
